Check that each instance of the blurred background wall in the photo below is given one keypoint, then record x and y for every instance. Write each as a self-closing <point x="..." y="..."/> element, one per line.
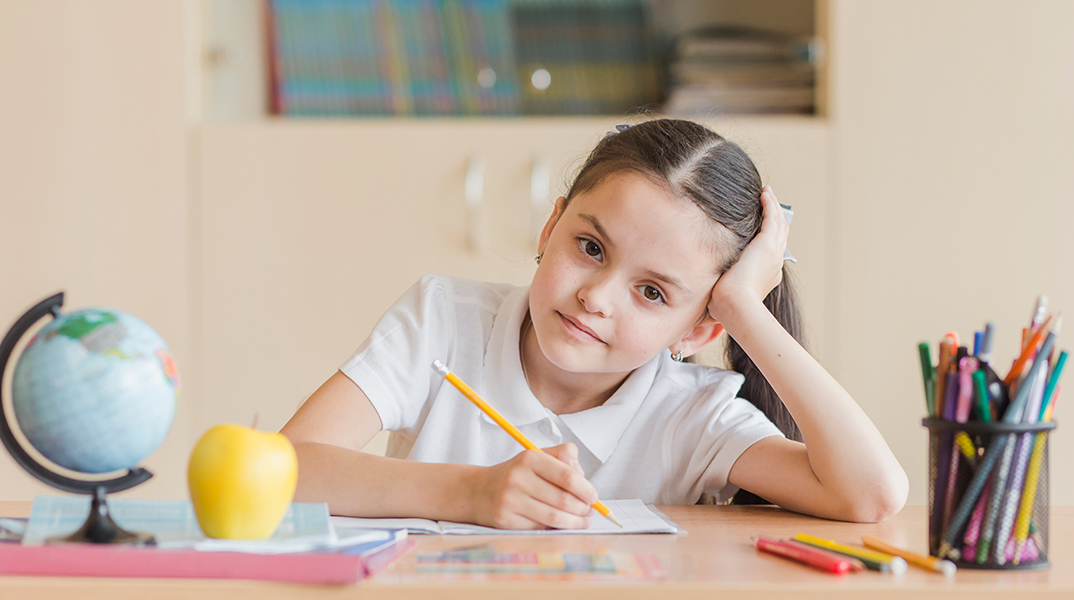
<point x="931" y="182"/>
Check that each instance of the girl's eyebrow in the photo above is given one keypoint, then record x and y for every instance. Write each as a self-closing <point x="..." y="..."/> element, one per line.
<point x="672" y="281"/>
<point x="596" y="225"/>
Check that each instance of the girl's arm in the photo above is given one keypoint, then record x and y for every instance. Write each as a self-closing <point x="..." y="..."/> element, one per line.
<point x="530" y="491"/>
<point x="844" y="470"/>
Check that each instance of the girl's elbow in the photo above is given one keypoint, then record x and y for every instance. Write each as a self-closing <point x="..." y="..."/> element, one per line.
<point x="887" y="499"/>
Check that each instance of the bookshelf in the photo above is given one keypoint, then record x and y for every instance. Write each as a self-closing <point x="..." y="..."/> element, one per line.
<point x="550" y="57"/>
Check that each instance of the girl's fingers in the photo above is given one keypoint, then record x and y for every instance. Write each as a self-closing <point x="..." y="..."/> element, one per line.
<point x="544" y="516"/>
<point x="568" y="453"/>
<point x="561" y="486"/>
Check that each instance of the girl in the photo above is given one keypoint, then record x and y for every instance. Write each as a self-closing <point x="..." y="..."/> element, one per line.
<point x="665" y="240"/>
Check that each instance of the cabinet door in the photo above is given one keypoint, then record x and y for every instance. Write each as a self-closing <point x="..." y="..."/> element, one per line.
<point x="309" y="230"/>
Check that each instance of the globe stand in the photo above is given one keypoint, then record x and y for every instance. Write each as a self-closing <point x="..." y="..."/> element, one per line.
<point x="99" y="527"/>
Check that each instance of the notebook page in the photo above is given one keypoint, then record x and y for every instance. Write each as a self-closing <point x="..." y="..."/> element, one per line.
<point x="412" y="525"/>
<point x="633" y="514"/>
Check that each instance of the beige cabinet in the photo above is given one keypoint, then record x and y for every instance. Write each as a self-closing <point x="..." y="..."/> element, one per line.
<point x="310" y="230"/>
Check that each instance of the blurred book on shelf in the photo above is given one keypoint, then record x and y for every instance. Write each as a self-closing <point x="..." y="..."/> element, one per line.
<point x="594" y="57"/>
<point x="730" y="70"/>
<point x="391" y="57"/>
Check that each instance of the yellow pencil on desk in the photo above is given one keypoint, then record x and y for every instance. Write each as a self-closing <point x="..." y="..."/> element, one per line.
<point x="928" y="562"/>
<point x="877" y="561"/>
<point x="505" y="424"/>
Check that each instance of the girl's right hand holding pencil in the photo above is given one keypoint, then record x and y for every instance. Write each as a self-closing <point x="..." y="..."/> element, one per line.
<point x="534" y="490"/>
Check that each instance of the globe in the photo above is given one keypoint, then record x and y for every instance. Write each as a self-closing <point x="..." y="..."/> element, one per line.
<point x="94" y="390"/>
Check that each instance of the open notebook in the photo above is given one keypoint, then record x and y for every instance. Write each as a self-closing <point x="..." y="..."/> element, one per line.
<point x="635" y="516"/>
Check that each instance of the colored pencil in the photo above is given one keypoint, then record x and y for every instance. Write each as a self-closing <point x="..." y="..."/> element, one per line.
<point x="928" y="562"/>
<point x="877" y="561"/>
<point x="814" y="557"/>
<point x="505" y="424"/>
<point x="1027" y="351"/>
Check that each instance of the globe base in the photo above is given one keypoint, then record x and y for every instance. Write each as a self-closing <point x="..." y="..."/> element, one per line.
<point x="100" y="528"/>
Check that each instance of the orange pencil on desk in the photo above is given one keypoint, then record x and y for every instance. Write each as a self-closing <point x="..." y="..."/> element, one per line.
<point x="928" y="562"/>
<point x="505" y="424"/>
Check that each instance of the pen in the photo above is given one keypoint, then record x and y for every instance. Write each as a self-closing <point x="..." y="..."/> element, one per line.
<point x="929" y="562"/>
<point x="877" y="561"/>
<point x="997" y="392"/>
<point x="505" y="424"/>
<point x="808" y="555"/>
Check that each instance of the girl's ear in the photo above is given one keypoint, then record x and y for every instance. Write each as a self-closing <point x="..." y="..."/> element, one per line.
<point x="546" y="232"/>
<point x="706" y="332"/>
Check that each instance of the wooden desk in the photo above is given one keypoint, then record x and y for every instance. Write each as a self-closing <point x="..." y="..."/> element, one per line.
<point x="713" y="561"/>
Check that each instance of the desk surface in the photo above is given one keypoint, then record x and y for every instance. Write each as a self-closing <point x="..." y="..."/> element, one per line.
<point x="713" y="560"/>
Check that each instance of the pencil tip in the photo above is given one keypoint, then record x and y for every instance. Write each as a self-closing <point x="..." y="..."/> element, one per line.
<point x="611" y="517"/>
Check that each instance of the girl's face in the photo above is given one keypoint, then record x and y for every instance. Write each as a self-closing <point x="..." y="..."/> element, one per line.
<point x="627" y="271"/>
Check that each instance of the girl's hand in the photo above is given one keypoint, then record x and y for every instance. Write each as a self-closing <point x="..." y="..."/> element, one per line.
<point x="760" y="268"/>
<point x="535" y="490"/>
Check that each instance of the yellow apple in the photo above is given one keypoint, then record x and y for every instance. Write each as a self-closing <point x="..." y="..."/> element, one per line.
<point x="241" y="481"/>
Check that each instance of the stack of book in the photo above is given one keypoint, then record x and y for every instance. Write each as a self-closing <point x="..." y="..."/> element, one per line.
<point x="595" y="57"/>
<point x="729" y="70"/>
<point x="306" y="547"/>
<point x="391" y="57"/>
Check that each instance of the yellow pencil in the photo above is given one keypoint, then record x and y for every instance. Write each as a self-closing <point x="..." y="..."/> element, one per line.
<point x="878" y="561"/>
<point x="507" y="426"/>
<point x="929" y="562"/>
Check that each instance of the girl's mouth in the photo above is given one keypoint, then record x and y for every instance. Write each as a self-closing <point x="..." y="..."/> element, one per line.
<point x="578" y="330"/>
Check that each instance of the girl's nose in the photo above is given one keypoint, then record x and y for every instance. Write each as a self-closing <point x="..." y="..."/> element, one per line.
<point x="597" y="294"/>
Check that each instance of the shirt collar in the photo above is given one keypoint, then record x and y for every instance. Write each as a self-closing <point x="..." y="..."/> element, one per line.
<point x="508" y="391"/>
<point x="599" y="428"/>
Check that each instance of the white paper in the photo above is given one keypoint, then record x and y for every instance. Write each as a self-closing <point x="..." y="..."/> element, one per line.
<point x="633" y="514"/>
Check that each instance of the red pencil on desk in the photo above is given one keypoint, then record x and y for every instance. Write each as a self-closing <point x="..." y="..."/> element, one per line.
<point x="805" y="554"/>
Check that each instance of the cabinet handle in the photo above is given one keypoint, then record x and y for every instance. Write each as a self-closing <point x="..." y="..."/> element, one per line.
<point x="474" y="190"/>
<point x="540" y="187"/>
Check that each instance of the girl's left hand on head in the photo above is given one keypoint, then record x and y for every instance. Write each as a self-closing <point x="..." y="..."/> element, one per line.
<point x="760" y="267"/>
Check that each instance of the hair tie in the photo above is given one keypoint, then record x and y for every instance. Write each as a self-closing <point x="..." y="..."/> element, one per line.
<point x="618" y="129"/>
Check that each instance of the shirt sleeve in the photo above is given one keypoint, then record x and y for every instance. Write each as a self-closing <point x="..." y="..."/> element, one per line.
<point x="393" y="365"/>
<point x="724" y="427"/>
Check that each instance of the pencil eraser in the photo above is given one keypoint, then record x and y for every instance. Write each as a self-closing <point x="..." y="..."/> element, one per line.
<point x="788" y="214"/>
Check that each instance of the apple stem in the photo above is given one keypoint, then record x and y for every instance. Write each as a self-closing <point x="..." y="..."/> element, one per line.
<point x="254" y="425"/>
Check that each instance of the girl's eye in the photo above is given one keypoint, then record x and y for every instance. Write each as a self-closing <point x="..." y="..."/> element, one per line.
<point x="652" y="294"/>
<point x="591" y="248"/>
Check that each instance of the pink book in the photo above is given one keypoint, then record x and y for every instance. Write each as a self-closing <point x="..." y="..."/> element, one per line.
<point x="76" y="560"/>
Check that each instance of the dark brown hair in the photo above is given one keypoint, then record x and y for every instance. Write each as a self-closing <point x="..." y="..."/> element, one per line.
<point x="694" y="163"/>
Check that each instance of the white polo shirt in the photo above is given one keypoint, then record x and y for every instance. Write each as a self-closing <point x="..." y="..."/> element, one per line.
<point x="670" y="432"/>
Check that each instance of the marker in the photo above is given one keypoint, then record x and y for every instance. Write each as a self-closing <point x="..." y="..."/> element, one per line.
<point x="928" y="374"/>
<point x="980" y="388"/>
<point x="505" y="424"/>
<point x="877" y="561"/>
<point x="997" y="392"/>
<point x="927" y="562"/>
<point x="808" y="555"/>
<point x="942" y="369"/>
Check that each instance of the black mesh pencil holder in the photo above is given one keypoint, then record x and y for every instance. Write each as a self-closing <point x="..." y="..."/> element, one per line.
<point x="988" y="493"/>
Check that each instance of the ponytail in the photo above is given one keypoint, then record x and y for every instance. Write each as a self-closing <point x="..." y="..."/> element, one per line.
<point x="782" y="302"/>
